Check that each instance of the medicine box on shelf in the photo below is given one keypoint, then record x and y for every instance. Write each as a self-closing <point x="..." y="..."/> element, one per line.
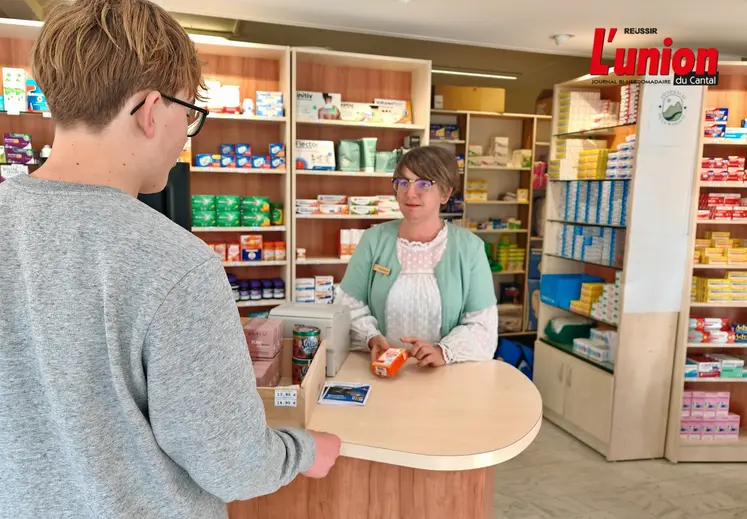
<point x="560" y="289"/>
<point x="295" y="404"/>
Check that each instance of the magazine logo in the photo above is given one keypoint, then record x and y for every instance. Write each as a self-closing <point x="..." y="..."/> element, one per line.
<point x="699" y="67"/>
<point x="672" y="107"/>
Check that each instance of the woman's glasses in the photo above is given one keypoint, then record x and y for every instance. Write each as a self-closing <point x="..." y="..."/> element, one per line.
<point x="402" y="184"/>
<point x="195" y="115"/>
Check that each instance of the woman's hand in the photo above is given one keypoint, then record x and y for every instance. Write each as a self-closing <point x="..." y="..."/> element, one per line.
<point x="377" y="345"/>
<point x="426" y="353"/>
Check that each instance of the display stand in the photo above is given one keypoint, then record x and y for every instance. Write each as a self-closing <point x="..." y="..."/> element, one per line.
<point x="251" y="67"/>
<point x="357" y="78"/>
<point x="619" y="408"/>
<point x="523" y="131"/>
<point x="711" y="440"/>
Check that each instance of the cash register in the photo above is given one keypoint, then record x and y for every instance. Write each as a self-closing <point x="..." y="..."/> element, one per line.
<point x="333" y="321"/>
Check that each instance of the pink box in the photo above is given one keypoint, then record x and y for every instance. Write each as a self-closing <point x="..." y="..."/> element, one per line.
<point x="685" y="426"/>
<point x="695" y="429"/>
<point x="698" y="404"/>
<point x="687" y="402"/>
<point x="721" y="428"/>
<point x="732" y="426"/>
<point x="722" y="403"/>
<point x="264" y="337"/>
<point x="708" y="428"/>
<point x="711" y="404"/>
<point x="267" y="372"/>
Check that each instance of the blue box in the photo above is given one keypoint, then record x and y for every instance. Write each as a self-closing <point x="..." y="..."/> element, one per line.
<point x="277" y="150"/>
<point x="277" y="162"/>
<point x="535" y="258"/>
<point x="244" y="150"/>
<point x="261" y="162"/>
<point x="228" y="149"/>
<point x="560" y="289"/>
<point x="228" y="161"/>
<point x="243" y="162"/>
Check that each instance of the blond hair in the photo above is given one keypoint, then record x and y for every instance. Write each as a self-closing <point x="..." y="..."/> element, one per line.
<point x="93" y="55"/>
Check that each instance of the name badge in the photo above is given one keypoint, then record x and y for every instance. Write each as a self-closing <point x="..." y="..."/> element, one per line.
<point x="381" y="270"/>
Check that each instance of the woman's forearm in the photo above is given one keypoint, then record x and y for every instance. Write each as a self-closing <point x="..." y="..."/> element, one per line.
<point x="475" y="338"/>
<point x="363" y="325"/>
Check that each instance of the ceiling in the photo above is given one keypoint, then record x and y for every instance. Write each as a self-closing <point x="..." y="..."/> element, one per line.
<point x="526" y="25"/>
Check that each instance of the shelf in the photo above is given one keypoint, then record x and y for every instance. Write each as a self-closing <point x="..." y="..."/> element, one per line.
<point x="349" y="216"/>
<point x="323" y="173"/>
<point x="247" y="119"/>
<point x="517" y="334"/>
<point x="497" y="168"/>
<point x="609" y="367"/>
<point x="498" y="231"/>
<point x="244" y="171"/>
<point x="494" y="202"/>
<point x="591" y="318"/>
<point x="263" y="302"/>
<point x="585" y="224"/>
<point x="509" y="273"/>
<point x="737" y="185"/>
<point x="583" y="261"/>
<point x="732" y="345"/>
<point x="45" y="115"/>
<point x="725" y="142"/>
<point x="730" y="304"/>
<point x="496" y="115"/>
<point x="698" y="266"/>
<point x="446" y="141"/>
<point x="277" y="263"/>
<point x="541" y="143"/>
<point x="323" y="261"/>
<point x="359" y="124"/>
<point x="601" y="132"/>
<point x="271" y="228"/>
<point x="714" y="450"/>
<point x="715" y="380"/>
<point x="589" y="179"/>
<point x="721" y="222"/>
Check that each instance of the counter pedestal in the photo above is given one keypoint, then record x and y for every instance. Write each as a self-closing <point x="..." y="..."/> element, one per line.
<point x="357" y="489"/>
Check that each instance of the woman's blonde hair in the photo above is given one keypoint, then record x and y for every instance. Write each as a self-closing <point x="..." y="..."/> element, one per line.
<point x="93" y="55"/>
<point x="432" y="163"/>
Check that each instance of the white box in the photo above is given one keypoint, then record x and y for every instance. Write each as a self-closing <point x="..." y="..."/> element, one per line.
<point x="315" y="155"/>
<point x="313" y="106"/>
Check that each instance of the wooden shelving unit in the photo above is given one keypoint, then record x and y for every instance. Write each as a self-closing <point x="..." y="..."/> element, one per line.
<point x="523" y="132"/>
<point x="250" y="66"/>
<point x="620" y="409"/>
<point x="358" y="78"/>
<point x="730" y="93"/>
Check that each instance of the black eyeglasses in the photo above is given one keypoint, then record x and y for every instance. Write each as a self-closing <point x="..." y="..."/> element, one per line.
<point x="195" y="116"/>
<point x="421" y="184"/>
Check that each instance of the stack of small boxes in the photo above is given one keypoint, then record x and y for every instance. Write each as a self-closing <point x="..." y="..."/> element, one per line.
<point x="629" y="96"/>
<point x="607" y="307"/>
<point x="590" y="292"/>
<point x="731" y="288"/>
<point x="498" y="155"/>
<point x="604" y="203"/>
<point x="584" y="110"/>
<point x="620" y="161"/>
<point x="269" y="104"/>
<point x="602" y="245"/>
<point x="592" y="164"/>
<point x="706" y="416"/>
<point x="476" y="190"/>
<point x="17" y="149"/>
<point x="265" y="340"/>
<point x="509" y="256"/>
<point x="319" y="289"/>
<point x="723" y="169"/>
<point x="567" y="151"/>
<point x="722" y="206"/>
<point x="349" y="240"/>
<point x="240" y="156"/>
<point x="601" y="346"/>
<point x="719" y="248"/>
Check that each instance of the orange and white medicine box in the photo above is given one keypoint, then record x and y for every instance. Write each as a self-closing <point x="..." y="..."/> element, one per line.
<point x="389" y="362"/>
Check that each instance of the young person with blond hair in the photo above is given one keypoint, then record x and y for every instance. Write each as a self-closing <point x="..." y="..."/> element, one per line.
<point x="126" y="387"/>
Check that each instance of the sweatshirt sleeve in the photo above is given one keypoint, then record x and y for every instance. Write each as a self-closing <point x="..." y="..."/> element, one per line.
<point x="203" y="404"/>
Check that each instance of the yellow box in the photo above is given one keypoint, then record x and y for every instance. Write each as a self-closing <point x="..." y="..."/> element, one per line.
<point x="478" y="99"/>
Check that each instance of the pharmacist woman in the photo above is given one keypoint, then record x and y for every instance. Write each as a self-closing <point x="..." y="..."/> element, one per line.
<point x="419" y="282"/>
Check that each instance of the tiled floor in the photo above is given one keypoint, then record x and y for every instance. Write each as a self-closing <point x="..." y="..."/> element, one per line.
<point x="559" y="477"/>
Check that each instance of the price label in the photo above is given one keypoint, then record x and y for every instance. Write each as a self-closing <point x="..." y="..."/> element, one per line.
<point x="286" y="398"/>
<point x="12" y="170"/>
<point x="13" y="112"/>
<point x="47" y="115"/>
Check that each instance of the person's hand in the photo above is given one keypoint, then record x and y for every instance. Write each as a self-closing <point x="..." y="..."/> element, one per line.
<point x="327" y="452"/>
<point x="426" y="353"/>
<point x="377" y="345"/>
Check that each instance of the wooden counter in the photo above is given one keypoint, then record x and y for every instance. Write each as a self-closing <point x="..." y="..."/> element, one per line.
<point x="422" y="447"/>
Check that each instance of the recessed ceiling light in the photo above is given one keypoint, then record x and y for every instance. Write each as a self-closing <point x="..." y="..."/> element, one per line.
<point x="560" y="39"/>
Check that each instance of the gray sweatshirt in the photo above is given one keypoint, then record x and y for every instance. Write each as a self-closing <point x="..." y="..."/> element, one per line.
<point x="126" y="386"/>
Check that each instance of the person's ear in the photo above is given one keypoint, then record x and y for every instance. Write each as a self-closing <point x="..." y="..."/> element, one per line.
<point x="446" y="194"/>
<point x="146" y="116"/>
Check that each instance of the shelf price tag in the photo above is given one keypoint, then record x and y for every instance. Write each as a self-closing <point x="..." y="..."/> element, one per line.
<point x="13" y="112"/>
<point x="286" y="398"/>
<point x="12" y="170"/>
<point x="47" y="115"/>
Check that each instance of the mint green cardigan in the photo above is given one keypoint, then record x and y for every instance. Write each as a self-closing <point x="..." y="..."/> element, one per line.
<point x="463" y="274"/>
